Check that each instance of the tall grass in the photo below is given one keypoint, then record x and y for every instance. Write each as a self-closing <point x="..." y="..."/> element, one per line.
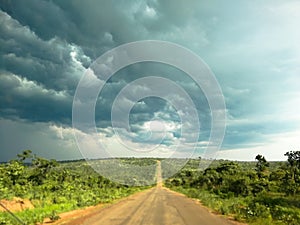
<point x="260" y="210"/>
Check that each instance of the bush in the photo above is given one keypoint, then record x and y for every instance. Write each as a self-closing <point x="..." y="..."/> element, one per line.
<point x="288" y="215"/>
<point x="255" y="210"/>
<point x="54" y="216"/>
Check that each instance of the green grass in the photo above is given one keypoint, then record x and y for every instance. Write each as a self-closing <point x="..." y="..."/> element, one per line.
<point x="54" y="187"/>
<point x="260" y="210"/>
<point x="45" y="209"/>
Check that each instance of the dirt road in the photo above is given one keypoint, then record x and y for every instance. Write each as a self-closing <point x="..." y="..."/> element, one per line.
<point x="156" y="206"/>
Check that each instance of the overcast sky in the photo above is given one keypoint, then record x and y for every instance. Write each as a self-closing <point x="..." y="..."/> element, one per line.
<point x="252" y="47"/>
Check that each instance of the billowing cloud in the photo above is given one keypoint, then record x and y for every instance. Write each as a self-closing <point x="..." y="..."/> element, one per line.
<point x="46" y="46"/>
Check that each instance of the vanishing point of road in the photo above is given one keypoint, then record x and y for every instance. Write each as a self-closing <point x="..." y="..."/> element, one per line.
<point x="155" y="206"/>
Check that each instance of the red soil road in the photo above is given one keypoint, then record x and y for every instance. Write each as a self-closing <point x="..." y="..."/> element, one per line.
<point x="155" y="206"/>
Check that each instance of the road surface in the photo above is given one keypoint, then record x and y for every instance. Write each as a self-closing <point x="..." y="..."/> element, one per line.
<point x="155" y="206"/>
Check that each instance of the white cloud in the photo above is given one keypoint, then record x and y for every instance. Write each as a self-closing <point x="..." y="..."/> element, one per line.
<point x="254" y="51"/>
<point x="150" y="12"/>
<point x="273" y="149"/>
<point x="28" y="88"/>
<point x="26" y="54"/>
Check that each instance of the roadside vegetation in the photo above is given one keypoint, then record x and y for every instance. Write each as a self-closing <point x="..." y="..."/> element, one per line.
<point x="54" y="187"/>
<point x="259" y="193"/>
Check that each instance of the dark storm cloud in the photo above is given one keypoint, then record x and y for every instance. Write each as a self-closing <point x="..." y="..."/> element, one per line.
<point x="46" y="62"/>
<point x="99" y="26"/>
<point x="27" y="100"/>
<point x="38" y="77"/>
<point x="96" y="26"/>
<point x="44" y="18"/>
<point x="45" y="47"/>
<point x="38" y="39"/>
<point x="43" y="139"/>
<point x="151" y="107"/>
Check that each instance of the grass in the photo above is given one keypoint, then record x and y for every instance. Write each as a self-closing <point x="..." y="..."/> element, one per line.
<point x="45" y="209"/>
<point x="260" y="210"/>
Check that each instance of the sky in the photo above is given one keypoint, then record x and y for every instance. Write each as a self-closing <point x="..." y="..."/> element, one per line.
<point x="251" y="47"/>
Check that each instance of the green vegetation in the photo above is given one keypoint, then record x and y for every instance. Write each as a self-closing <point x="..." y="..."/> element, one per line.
<point x="257" y="192"/>
<point x="132" y="171"/>
<point x="54" y="187"/>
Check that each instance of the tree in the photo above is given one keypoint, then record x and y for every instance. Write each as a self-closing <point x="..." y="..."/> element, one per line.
<point x="293" y="158"/>
<point x="260" y="184"/>
<point x="291" y="180"/>
<point x="14" y="171"/>
<point x="261" y="166"/>
<point x="26" y="154"/>
<point x="41" y="169"/>
<point x="240" y="186"/>
<point x="228" y="168"/>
